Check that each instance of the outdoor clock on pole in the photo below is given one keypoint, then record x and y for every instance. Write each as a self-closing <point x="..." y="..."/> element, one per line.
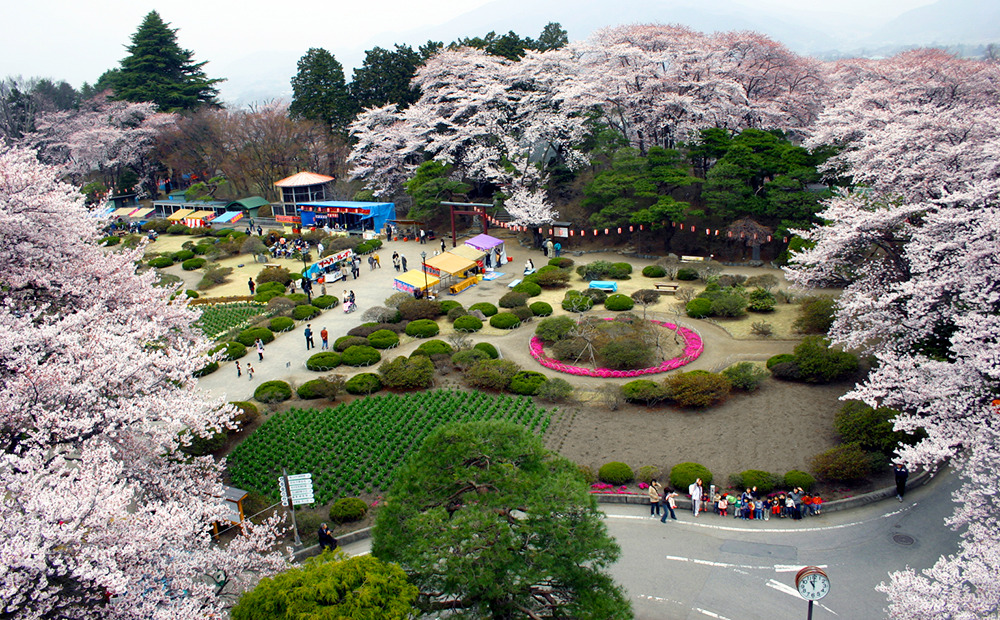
<point x="812" y="584"/>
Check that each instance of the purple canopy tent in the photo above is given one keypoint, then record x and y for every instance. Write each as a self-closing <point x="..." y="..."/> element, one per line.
<point x="486" y="243"/>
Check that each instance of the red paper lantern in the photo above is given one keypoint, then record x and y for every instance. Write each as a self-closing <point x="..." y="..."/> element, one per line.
<point x="708" y="231"/>
<point x="784" y="239"/>
<point x="716" y="232"/>
<point x="605" y="231"/>
<point x="630" y="229"/>
<point x="692" y="229"/>
<point x="769" y="238"/>
<point x="619" y="231"/>
<point x="571" y="233"/>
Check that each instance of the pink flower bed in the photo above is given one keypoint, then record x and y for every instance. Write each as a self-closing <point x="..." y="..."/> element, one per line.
<point x="693" y="347"/>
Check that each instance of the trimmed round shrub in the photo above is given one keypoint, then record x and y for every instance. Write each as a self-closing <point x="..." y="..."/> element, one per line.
<point x="653" y="271"/>
<point x="207" y="369"/>
<point x="159" y="262"/>
<point x="348" y="509"/>
<point x="488" y="349"/>
<point x="786" y="371"/>
<point x="203" y="248"/>
<point x="626" y="354"/>
<point x="454" y="313"/>
<point x="528" y="288"/>
<point x="504" y="320"/>
<point x="577" y="303"/>
<point x="615" y="473"/>
<point x="699" y="308"/>
<point x="468" y="357"/>
<point x="621" y="271"/>
<point x="648" y="473"/>
<point x="303" y="313"/>
<point x="247" y="413"/>
<point x="619" y="303"/>
<point x="780" y="358"/>
<point x="177" y="229"/>
<point x="202" y="446"/>
<point x="556" y="278"/>
<point x="383" y="339"/>
<point x="191" y="294"/>
<point x="815" y="315"/>
<point x="870" y="428"/>
<point x="468" y="323"/>
<point x="248" y="337"/>
<point x="415" y="309"/>
<point x="422" y="328"/>
<point x="844" y="463"/>
<point x="268" y="286"/>
<point x="513" y="300"/>
<point x="527" y="382"/>
<point x="491" y="374"/>
<point x="761" y="300"/>
<point x="796" y="478"/>
<point x="684" y="475"/>
<point x="363" y="384"/>
<point x="697" y="389"/>
<point x="273" y="392"/>
<point x="818" y="363"/>
<point x="745" y="376"/>
<point x="323" y="361"/>
<point x="541" y="308"/>
<point x="266" y="296"/>
<point x="181" y="255"/>
<point x="562" y="262"/>
<point x="109" y="240"/>
<point x="687" y="274"/>
<point x="643" y="391"/>
<point x="598" y="295"/>
<point x="361" y="356"/>
<point x="281" y="324"/>
<point x="764" y="481"/>
<point x="485" y="307"/>
<point x="325" y="301"/>
<point x="555" y="390"/>
<point x="570" y="349"/>
<point x="299" y="299"/>
<point x="523" y="313"/>
<point x="234" y="350"/>
<point x="402" y="373"/>
<point x="315" y="388"/>
<point x="193" y="263"/>
<point x="341" y="344"/>
<point x="729" y="305"/>
<point x="448" y="305"/>
<point x="433" y="347"/>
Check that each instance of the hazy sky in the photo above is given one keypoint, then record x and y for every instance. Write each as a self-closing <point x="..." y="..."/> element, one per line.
<point x="76" y="40"/>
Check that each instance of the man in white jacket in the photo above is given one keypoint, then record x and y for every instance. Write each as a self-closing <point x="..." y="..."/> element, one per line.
<point x="695" y="491"/>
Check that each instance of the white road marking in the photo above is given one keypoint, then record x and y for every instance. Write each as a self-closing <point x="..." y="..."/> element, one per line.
<point x="660" y="599"/>
<point x="789" y="590"/>
<point x="778" y="568"/>
<point x="710" y="614"/>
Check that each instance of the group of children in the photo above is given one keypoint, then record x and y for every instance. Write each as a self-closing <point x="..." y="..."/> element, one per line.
<point x="751" y="505"/>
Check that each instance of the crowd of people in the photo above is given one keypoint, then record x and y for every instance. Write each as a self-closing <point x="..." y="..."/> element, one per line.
<point x="749" y="505"/>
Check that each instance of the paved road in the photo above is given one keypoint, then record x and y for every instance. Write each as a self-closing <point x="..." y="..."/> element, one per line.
<point x="726" y="569"/>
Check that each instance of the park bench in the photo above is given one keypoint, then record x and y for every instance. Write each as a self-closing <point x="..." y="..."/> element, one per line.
<point x="528" y="272"/>
<point x="668" y="287"/>
<point x="604" y="285"/>
<point x="464" y="284"/>
<point x="514" y="283"/>
<point x="694" y="259"/>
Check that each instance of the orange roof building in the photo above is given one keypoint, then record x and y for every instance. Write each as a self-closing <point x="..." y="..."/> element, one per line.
<point x="304" y="187"/>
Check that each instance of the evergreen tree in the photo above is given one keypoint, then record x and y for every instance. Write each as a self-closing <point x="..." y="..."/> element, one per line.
<point x="319" y="91"/>
<point x="385" y="78"/>
<point x="157" y="69"/>
<point x="553" y="37"/>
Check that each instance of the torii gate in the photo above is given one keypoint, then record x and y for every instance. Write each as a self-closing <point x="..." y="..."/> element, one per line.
<point x="480" y="210"/>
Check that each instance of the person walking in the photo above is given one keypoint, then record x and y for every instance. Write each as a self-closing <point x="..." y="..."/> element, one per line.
<point x="669" y="505"/>
<point x="395" y="261"/>
<point x="260" y="351"/>
<point x="558" y="248"/>
<point x="696" y="492"/>
<point x="403" y="260"/>
<point x="239" y="371"/>
<point x="442" y="245"/>
<point x="423" y="237"/>
<point x="655" y="491"/>
<point x="325" y="337"/>
<point x="378" y="262"/>
<point x="902" y="473"/>
<point x="250" y="370"/>
<point x="252" y="286"/>
<point x="309" y="337"/>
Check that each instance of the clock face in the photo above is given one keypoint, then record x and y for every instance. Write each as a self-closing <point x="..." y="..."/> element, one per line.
<point x="814" y="586"/>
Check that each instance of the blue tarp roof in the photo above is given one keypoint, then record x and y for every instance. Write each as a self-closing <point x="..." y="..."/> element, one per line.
<point x="378" y="212"/>
<point x="228" y="216"/>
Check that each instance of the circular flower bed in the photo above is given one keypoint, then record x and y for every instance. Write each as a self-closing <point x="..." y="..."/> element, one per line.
<point x="692" y="349"/>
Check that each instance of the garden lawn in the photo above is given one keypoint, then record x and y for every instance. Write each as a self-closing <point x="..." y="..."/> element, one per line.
<point x="357" y="447"/>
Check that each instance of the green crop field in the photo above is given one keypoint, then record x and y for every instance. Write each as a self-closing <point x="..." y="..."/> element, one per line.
<point x="217" y="319"/>
<point x="357" y="447"/>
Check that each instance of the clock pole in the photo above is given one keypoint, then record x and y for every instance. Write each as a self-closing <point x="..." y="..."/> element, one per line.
<point x="812" y="584"/>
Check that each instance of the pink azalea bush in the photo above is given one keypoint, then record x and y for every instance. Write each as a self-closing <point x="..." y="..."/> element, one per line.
<point x="692" y="349"/>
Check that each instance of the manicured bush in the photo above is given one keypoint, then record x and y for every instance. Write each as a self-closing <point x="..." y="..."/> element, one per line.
<point x="780" y="358"/>
<point x="619" y="303"/>
<point x="491" y="374"/>
<point x="764" y="481"/>
<point x="604" y="270"/>
<point x="541" y="308"/>
<point x="615" y="473"/>
<point x="697" y="389"/>
<point x="870" y="428"/>
<point x="383" y="339"/>
<point x="786" y="371"/>
<point x="557" y="278"/>
<point x="233" y="350"/>
<point x="745" y="376"/>
<point x="203" y="445"/>
<point x="729" y="305"/>
<point x="181" y="255"/>
<point x="364" y="383"/>
<point x="341" y="344"/>
<point x="577" y="302"/>
<point x="325" y="301"/>
<point x="323" y="361"/>
<point x="299" y="299"/>
<point x="504" y="320"/>
<point x="348" y="509"/>
<point x="554" y="328"/>
<point x="815" y="315"/>
<point x="320" y="388"/>
<point x="653" y="271"/>
<point x="416" y="309"/>
<point x="207" y="369"/>
<point x="626" y="354"/>
<point x="687" y="274"/>
<point x="761" y="300"/>
<point x="273" y="274"/>
<point x="523" y="313"/>
<point x="513" y="300"/>
<point x="570" y="349"/>
<point x="191" y="294"/>
<point x="527" y="288"/>
<point x="684" y="475"/>
<point x="586" y="474"/>
<point x="527" y="382"/>
<point x="366" y="329"/>
<point x="645" y="296"/>
<point x="488" y="349"/>
<point x="598" y="295"/>
<point x="178" y="229"/>
<point x="304" y="313"/>
<point x="796" y="478"/>
<point x="843" y="463"/>
<point x="562" y="262"/>
<point x="621" y="271"/>
<point x="468" y="357"/>
<point x="412" y="373"/>
<point x="818" y="363"/>
<point x="273" y="392"/>
<point x="203" y="248"/>
<point x="423" y="328"/>
<point x="647" y="474"/>
<point x="455" y="313"/>
<point x="699" y="308"/>
<point x="193" y="263"/>
<point x="248" y="337"/>
<point x="486" y="308"/>
<point x="555" y="390"/>
<point x="448" y="305"/>
<point x="433" y="347"/>
<point x="643" y="391"/>
<point x="361" y="356"/>
<point x="266" y="287"/>
<point x="468" y="323"/>
<point x="246" y="414"/>
<point x="159" y="262"/>
<point x="281" y="324"/>
<point x="109" y="241"/>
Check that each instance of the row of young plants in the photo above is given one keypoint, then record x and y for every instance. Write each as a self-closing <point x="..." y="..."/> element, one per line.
<point x="357" y="447"/>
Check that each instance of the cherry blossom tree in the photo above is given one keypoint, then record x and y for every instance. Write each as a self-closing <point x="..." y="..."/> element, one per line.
<point x="101" y="515"/>
<point x="919" y="249"/>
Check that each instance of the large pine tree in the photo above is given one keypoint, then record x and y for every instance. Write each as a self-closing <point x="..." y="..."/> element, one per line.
<point x="157" y="69"/>
<point x="319" y="91"/>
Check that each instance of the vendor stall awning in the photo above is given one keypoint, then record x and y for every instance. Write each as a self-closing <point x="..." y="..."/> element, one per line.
<point x="199" y="215"/>
<point x="414" y="279"/>
<point x="467" y="251"/>
<point x="228" y="217"/>
<point x="123" y="211"/>
<point x="143" y="212"/>
<point x="179" y="215"/>
<point x="484" y="242"/>
<point x="450" y="263"/>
